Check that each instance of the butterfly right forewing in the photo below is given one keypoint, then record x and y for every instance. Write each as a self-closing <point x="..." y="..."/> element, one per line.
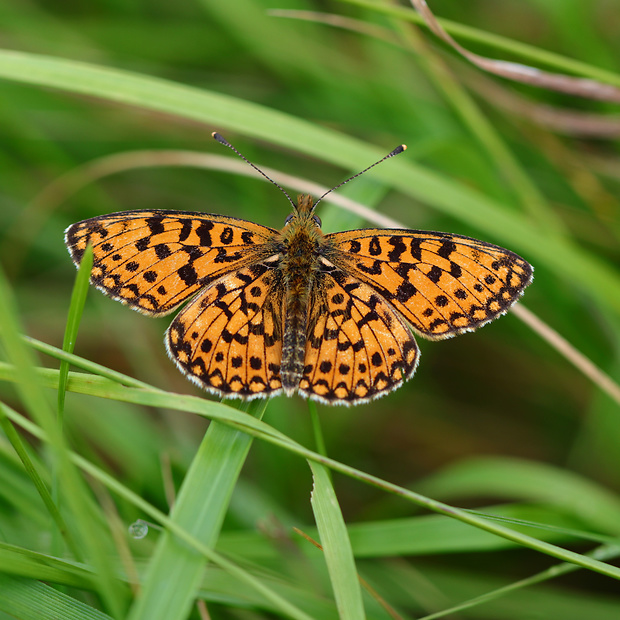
<point x="443" y="284"/>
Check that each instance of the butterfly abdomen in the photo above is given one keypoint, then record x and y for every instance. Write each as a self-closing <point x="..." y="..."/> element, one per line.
<point x="294" y="343"/>
<point x="299" y="267"/>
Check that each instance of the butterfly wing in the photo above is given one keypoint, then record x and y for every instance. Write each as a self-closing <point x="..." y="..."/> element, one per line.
<point x="229" y="339"/>
<point x="155" y="260"/>
<point x="358" y="347"/>
<point x="442" y="284"/>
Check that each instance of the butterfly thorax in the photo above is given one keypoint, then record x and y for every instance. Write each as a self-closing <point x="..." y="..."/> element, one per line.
<point x="301" y="240"/>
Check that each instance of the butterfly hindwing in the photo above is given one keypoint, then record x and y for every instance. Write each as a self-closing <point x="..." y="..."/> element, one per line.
<point x="358" y="347"/>
<point x="229" y="339"/>
<point x="155" y="260"/>
<point x="442" y="284"/>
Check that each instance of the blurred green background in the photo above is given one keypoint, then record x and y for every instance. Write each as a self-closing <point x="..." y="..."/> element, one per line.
<point x="497" y="395"/>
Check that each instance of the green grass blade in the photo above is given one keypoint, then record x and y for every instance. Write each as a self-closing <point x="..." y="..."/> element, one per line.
<point x="20" y="562"/>
<point x="80" y="362"/>
<point x="596" y="506"/>
<point x="435" y="534"/>
<point x="336" y="546"/>
<point x="76" y="307"/>
<point x="32" y="600"/>
<point x="602" y="553"/>
<point x="41" y="487"/>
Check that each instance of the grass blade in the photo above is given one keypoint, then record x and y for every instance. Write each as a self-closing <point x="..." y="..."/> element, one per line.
<point x="336" y="546"/>
<point x="32" y="600"/>
<point x="41" y="487"/>
<point x="76" y="307"/>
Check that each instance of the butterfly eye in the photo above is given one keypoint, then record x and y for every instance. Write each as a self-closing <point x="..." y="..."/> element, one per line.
<point x="288" y="219"/>
<point x="317" y="220"/>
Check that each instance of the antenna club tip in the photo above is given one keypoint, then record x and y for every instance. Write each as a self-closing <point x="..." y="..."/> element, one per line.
<point x="398" y="149"/>
<point x="219" y="138"/>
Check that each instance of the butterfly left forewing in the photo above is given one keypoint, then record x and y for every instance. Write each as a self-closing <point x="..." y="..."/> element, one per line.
<point x="442" y="284"/>
<point x="155" y="260"/>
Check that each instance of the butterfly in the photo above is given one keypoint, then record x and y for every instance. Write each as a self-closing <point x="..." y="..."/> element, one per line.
<point x="331" y="317"/>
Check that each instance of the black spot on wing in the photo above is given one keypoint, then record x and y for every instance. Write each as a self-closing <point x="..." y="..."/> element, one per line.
<point x="162" y="251"/>
<point x="398" y="248"/>
<point x="405" y="291"/>
<point x="224" y="256"/>
<point x="226" y="237"/>
<point x="142" y="244"/>
<point x="204" y="233"/>
<point x="185" y="231"/>
<point x="416" y="248"/>
<point x="455" y="270"/>
<point x="355" y="246"/>
<point x="434" y="275"/>
<point x="446" y="249"/>
<point x="373" y="270"/>
<point x="188" y="274"/>
<point x="155" y="224"/>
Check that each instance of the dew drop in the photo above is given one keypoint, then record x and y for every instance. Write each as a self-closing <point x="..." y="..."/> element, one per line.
<point x="139" y="529"/>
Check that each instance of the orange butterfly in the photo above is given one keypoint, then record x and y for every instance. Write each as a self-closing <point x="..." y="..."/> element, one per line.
<point x="330" y="316"/>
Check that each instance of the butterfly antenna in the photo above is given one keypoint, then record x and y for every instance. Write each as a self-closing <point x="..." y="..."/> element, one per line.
<point x="396" y="151"/>
<point x="221" y="140"/>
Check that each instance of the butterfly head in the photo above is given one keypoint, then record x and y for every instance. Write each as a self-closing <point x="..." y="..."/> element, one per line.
<point x="303" y="212"/>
